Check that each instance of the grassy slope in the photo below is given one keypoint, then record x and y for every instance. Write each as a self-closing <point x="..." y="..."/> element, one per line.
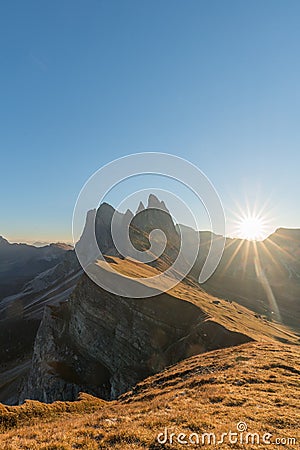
<point x="229" y="314"/>
<point x="257" y="383"/>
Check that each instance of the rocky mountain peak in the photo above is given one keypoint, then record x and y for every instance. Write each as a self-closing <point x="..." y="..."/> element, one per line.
<point x="129" y="213"/>
<point x="141" y="208"/>
<point x="154" y="202"/>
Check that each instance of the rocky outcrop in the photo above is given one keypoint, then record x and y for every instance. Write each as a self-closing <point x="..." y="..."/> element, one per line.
<point x="99" y="223"/>
<point x="104" y="344"/>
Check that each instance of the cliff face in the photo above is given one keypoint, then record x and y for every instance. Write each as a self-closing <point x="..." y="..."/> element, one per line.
<point x="104" y="344"/>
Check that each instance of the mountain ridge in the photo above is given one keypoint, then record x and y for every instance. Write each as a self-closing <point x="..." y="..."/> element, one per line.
<point x="58" y="284"/>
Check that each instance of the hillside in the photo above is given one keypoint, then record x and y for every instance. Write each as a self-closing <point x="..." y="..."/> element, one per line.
<point x="103" y="344"/>
<point x="229" y="314"/>
<point x="255" y="383"/>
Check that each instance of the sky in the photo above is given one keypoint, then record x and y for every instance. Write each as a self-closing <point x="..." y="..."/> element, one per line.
<point x="85" y="82"/>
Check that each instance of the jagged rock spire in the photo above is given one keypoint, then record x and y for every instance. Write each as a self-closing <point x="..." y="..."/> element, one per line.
<point x="154" y="202"/>
<point x="141" y="207"/>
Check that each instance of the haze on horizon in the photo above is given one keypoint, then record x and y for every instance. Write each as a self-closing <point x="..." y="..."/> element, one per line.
<point x="82" y="84"/>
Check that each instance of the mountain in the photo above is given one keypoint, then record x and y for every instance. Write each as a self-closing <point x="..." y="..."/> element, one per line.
<point x="43" y="244"/>
<point x="263" y="276"/>
<point x="154" y="216"/>
<point x="20" y="263"/>
<point x="93" y="341"/>
<point x="103" y="344"/>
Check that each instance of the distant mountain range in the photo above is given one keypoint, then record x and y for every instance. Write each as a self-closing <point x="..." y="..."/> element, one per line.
<point x="94" y="341"/>
<point x="20" y="263"/>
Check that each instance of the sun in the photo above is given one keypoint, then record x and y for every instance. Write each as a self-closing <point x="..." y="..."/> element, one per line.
<point x="253" y="222"/>
<point x="251" y="228"/>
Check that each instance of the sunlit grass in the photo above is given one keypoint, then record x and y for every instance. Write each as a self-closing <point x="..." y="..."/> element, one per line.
<point x="257" y="383"/>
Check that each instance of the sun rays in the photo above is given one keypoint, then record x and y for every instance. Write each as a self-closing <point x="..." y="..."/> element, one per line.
<point x="251" y="228"/>
<point x="265" y="283"/>
<point x="255" y="252"/>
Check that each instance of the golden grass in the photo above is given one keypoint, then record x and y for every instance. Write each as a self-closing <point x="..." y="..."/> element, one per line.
<point x="257" y="383"/>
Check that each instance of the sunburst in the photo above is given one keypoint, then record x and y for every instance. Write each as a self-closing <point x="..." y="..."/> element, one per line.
<point x="252" y="228"/>
<point x="253" y="224"/>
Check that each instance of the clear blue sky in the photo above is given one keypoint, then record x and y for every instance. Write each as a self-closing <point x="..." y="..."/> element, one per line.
<point x="84" y="82"/>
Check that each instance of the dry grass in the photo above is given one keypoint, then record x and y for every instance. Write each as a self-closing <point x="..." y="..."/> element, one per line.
<point x="257" y="383"/>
